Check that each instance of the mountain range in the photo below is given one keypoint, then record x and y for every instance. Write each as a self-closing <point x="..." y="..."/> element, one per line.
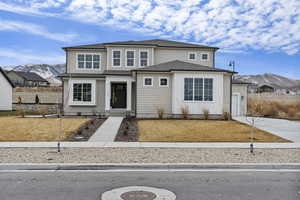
<point x="50" y="73"/>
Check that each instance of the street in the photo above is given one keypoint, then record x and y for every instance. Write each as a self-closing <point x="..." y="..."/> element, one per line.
<point x="187" y="185"/>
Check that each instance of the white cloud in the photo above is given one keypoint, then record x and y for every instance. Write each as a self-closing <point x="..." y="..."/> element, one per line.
<point x="270" y="25"/>
<point x="18" y="26"/>
<point x="23" y="56"/>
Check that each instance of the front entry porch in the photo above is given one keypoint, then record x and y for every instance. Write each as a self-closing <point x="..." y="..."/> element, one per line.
<point x="119" y="95"/>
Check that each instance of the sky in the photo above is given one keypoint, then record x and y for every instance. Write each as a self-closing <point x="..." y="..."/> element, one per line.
<point x="261" y="36"/>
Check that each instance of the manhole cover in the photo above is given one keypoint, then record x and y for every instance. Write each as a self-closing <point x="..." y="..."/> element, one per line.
<point x="138" y="195"/>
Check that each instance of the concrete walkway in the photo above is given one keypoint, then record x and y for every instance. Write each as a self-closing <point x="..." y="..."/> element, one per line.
<point x="283" y="128"/>
<point x="108" y="130"/>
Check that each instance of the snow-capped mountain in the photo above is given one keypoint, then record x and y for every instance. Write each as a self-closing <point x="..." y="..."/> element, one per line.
<point x="48" y="72"/>
<point x="275" y="80"/>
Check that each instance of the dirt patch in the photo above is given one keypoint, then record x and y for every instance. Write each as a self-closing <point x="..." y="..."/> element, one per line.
<point x="86" y="130"/>
<point x="128" y="131"/>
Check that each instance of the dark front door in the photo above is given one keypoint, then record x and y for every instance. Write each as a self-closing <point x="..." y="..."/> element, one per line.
<point x="118" y="95"/>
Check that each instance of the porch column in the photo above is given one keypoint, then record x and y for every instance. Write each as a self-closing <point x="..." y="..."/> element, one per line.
<point x="129" y="95"/>
<point x="107" y="95"/>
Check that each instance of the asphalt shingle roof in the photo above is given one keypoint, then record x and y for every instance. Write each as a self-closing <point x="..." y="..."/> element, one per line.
<point x="153" y="42"/>
<point x="178" y="65"/>
<point x="30" y="76"/>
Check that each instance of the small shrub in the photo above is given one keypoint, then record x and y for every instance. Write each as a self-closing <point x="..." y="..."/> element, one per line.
<point x="21" y="112"/>
<point x="185" y="112"/>
<point x="43" y="111"/>
<point x="160" y="112"/>
<point x="226" y="116"/>
<point x="206" y="114"/>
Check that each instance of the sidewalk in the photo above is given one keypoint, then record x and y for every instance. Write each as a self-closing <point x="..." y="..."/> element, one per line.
<point x="108" y="131"/>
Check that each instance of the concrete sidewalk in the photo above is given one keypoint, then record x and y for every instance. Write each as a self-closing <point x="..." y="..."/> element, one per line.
<point x="283" y="128"/>
<point x="148" y="145"/>
<point x="108" y="131"/>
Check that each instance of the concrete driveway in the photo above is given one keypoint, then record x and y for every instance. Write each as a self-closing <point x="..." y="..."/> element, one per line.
<point x="283" y="128"/>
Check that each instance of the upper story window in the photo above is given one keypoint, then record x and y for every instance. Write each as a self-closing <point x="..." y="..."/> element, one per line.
<point x="144" y="58"/>
<point x="164" y="82"/>
<point x="192" y="56"/>
<point x="130" y="57"/>
<point x="198" y="89"/>
<point x="116" y="58"/>
<point x="148" y="81"/>
<point x="88" y="61"/>
<point x="204" y="56"/>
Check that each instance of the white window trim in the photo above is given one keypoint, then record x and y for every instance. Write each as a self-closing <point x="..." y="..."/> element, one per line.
<point x="82" y="103"/>
<point x="204" y="59"/>
<point x="192" y="53"/>
<point x="112" y="57"/>
<point x="144" y="78"/>
<point x="160" y="82"/>
<point x="144" y="50"/>
<point x="84" y="68"/>
<point x="194" y="101"/>
<point x="134" y="57"/>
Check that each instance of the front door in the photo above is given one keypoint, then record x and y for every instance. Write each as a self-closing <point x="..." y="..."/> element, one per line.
<point x="118" y="95"/>
<point x="235" y="105"/>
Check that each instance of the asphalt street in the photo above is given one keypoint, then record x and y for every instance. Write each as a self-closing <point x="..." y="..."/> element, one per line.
<point x="191" y="185"/>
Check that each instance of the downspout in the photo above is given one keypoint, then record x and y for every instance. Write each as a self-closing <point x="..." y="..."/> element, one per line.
<point x="135" y="109"/>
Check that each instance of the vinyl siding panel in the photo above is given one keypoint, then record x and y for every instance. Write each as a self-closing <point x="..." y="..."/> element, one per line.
<point x="149" y="99"/>
<point x="226" y="94"/>
<point x="5" y="94"/>
<point x="166" y="55"/>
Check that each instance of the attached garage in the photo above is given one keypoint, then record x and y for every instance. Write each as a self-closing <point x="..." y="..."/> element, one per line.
<point x="239" y="98"/>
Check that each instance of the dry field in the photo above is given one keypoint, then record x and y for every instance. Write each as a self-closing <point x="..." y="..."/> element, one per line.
<point x="37" y="129"/>
<point x="200" y="131"/>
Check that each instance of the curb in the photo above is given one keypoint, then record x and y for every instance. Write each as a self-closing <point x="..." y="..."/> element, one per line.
<point x="70" y="167"/>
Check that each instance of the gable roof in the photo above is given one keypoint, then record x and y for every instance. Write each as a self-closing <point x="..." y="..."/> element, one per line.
<point x="6" y="77"/>
<point x="30" y="76"/>
<point x="153" y="42"/>
<point x="178" y="65"/>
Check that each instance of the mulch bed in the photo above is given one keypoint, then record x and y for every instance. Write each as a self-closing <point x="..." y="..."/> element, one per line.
<point x="87" y="130"/>
<point x="128" y="131"/>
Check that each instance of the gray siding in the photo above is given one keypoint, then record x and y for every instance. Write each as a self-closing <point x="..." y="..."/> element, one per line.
<point x="100" y="100"/>
<point x="123" y="57"/>
<point x="242" y="89"/>
<point x="226" y="93"/>
<point x="72" y="61"/>
<point x="149" y="99"/>
<point x="166" y="55"/>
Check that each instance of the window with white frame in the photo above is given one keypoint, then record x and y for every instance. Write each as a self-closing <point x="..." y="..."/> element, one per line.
<point x="164" y="82"/>
<point x="82" y="92"/>
<point x="198" y="89"/>
<point x="88" y="61"/>
<point x="204" y="56"/>
<point x="144" y="58"/>
<point x="192" y="56"/>
<point x="148" y="81"/>
<point x="130" y="56"/>
<point x="116" y="58"/>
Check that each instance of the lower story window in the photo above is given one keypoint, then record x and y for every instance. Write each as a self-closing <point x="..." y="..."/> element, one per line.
<point x="82" y="92"/>
<point x="198" y="89"/>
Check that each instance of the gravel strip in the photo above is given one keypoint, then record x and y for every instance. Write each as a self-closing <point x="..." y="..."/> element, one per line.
<point x="147" y="155"/>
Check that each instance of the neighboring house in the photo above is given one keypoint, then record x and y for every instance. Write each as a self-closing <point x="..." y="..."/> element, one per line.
<point x="6" y="87"/>
<point x="140" y="77"/>
<point x="265" y="88"/>
<point x="26" y="79"/>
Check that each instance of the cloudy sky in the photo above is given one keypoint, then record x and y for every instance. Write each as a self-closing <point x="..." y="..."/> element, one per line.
<point x="261" y="36"/>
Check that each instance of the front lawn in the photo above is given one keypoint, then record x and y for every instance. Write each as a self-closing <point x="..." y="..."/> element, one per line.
<point x="200" y="131"/>
<point x="37" y="129"/>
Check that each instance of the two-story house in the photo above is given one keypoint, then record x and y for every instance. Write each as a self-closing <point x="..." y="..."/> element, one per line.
<point x="140" y="77"/>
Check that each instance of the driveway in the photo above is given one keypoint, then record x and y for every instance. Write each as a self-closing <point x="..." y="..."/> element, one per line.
<point x="284" y="128"/>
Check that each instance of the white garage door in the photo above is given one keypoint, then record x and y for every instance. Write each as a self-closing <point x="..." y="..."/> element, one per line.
<point x="235" y="104"/>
